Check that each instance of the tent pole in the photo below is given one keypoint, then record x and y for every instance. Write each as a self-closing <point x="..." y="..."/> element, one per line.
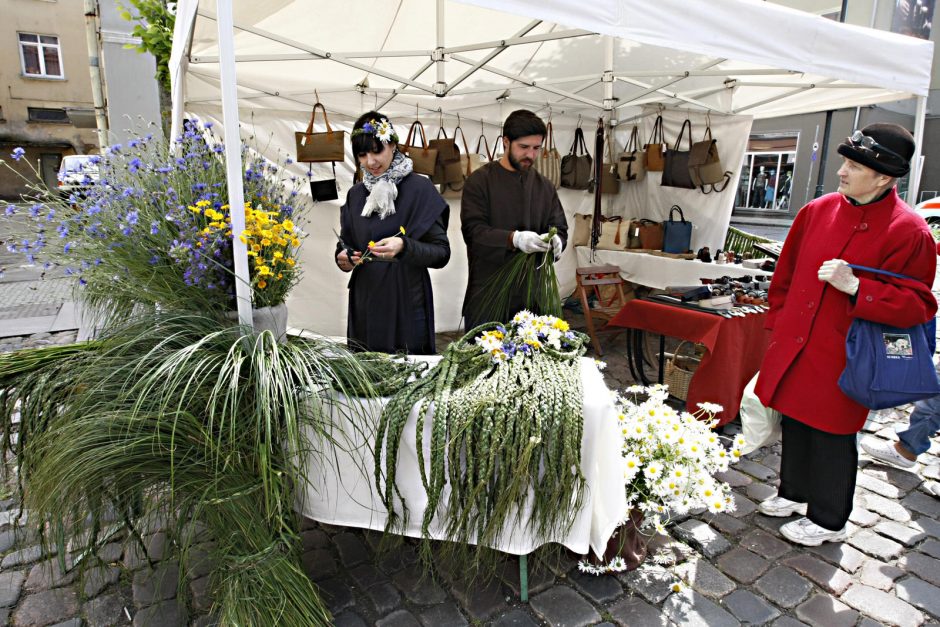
<point x="233" y="158"/>
<point x="438" y="55"/>
<point x="916" y="170"/>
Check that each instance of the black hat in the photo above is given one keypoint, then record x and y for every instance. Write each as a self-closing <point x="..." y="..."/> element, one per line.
<point x="885" y="148"/>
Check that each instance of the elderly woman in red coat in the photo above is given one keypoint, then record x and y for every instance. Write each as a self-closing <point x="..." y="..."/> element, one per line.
<point x="814" y="296"/>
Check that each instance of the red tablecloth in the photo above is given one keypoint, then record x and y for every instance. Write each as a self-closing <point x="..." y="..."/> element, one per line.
<point x="735" y="346"/>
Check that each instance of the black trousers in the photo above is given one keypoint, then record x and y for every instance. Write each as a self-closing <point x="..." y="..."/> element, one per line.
<point x="818" y="468"/>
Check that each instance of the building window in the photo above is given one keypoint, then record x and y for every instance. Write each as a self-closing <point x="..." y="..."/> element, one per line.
<point x="37" y="114"/>
<point x="41" y="55"/>
<point x="767" y="175"/>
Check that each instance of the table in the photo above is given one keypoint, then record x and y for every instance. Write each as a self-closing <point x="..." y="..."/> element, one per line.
<point x="340" y="493"/>
<point x="661" y="272"/>
<point x="735" y="348"/>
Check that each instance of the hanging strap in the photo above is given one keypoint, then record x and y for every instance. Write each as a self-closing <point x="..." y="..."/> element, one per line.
<point x="880" y="271"/>
<point x="687" y="123"/>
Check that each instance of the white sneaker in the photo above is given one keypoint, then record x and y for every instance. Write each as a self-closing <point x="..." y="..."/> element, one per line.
<point x="779" y="507"/>
<point x="884" y="451"/>
<point x="806" y="532"/>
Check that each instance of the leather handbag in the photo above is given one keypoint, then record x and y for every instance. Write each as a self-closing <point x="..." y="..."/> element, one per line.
<point x="676" y="170"/>
<point x="677" y="234"/>
<point x="610" y="184"/>
<point x="455" y="189"/>
<point x="613" y="234"/>
<point x="447" y="168"/>
<point x="631" y="166"/>
<point x="320" y="147"/>
<point x="422" y="156"/>
<point x="577" y="165"/>
<point x="705" y="165"/>
<point x="582" y="229"/>
<point x="633" y="234"/>
<point x="650" y="234"/>
<point x="655" y="148"/>
<point x="888" y="366"/>
<point x="326" y="189"/>
<point x="548" y="163"/>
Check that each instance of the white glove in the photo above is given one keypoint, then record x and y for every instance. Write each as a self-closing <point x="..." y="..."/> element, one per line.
<point x="557" y="246"/>
<point x="839" y="275"/>
<point x="529" y="242"/>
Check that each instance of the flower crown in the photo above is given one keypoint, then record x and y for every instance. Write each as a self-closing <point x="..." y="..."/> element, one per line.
<point x="382" y="129"/>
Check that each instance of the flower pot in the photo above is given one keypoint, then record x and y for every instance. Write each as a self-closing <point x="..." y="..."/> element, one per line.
<point x="626" y="542"/>
<point x="273" y="319"/>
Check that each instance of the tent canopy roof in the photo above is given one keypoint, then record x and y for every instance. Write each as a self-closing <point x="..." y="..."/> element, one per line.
<point x="477" y="57"/>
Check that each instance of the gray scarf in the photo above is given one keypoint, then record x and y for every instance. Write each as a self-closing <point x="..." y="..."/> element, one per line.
<point x="383" y="189"/>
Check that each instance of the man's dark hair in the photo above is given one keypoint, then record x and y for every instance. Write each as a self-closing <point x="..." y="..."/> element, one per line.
<point x="367" y="142"/>
<point x="523" y="123"/>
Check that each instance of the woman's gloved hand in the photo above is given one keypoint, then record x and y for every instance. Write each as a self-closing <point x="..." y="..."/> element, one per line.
<point x="556" y="243"/>
<point x="529" y="242"/>
<point x="839" y="275"/>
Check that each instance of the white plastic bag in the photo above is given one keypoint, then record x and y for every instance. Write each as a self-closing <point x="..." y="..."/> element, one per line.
<point x="760" y="425"/>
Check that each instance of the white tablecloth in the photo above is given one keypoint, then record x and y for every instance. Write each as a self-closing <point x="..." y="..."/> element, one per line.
<point x="342" y="494"/>
<point x="662" y="272"/>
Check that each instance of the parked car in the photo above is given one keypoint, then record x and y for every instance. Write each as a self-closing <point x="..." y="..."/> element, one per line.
<point x="77" y="173"/>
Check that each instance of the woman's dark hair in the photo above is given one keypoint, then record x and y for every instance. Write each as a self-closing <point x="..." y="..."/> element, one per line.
<point x="367" y="142"/>
<point x="522" y="123"/>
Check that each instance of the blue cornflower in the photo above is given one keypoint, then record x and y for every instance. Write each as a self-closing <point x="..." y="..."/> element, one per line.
<point x="127" y="193"/>
<point x="198" y="187"/>
<point x="134" y="165"/>
<point x="82" y="282"/>
<point x="67" y="247"/>
<point x="132" y="217"/>
<point x="10" y="210"/>
<point x="289" y="161"/>
<point x="208" y="125"/>
<point x="180" y="161"/>
<point x="154" y="260"/>
<point x="51" y="215"/>
<point x="127" y="230"/>
<point x="164" y="170"/>
<point x="218" y="149"/>
<point x="18" y="153"/>
<point x="134" y="143"/>
<point x="62" y="230"/>
<point x="95" y="159"/>
<point x="154" y="227"/>
<point x="30" y="258"/>
<point x="69" y="271"/>
<point x="115" y="148"/>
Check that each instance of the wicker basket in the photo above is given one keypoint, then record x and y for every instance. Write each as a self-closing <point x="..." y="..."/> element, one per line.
<point x="678" y="373"/>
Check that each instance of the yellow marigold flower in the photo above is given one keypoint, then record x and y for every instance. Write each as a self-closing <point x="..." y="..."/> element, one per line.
<point x="194" y="209"/>
<point x="243" y="239"/>
<point x="288" y="225"/>
<point x="203" y="203"/>
<point x="252" y="253"/>
<point x="401" y="230"/>
<point x="278" y="254"/>
<point x="265" y="242"/>
<point x="371" y="244"/>
<point x="198" y="244"/>
<point x="267" y="233"/>
<point x="264" y="271"/>
<point x="290" y="262"/>
<point x="294" y="241"/>
<point x="561" y="325"/>
<point x="256" y="248"/>
<point x="262" y="284"/>
<point x="280" y="276"/>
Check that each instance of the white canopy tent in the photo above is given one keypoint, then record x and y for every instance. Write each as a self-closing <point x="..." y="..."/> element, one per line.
<point x="481" y="59"/>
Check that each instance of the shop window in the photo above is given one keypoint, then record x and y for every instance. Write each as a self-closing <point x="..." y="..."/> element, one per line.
<point x="40" y="56"/>
<point x="767" y="176"/>
<point x="37" y="114"/>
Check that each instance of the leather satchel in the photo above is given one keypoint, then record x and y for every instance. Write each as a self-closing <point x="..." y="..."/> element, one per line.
<point x="655" y="148"/>
<point x="705" y="165"/>
<point x="650" y="234"/>
<point x="613" y="234"/>
<point x="632" y="163"/>
<point x="610" y="184"/>
<point x="548" y="163"/>
<point x="325" y="189"/>
<point x="677" y="234"/>
<point x="676" y="170"/>
<point x="320" y="147"/>
<point x="422" y="156"/>
<point x="633" y="234"/>
<point x="577" y="165"/>
<point x="582" y="229"/>
<point x="447" y="168"/>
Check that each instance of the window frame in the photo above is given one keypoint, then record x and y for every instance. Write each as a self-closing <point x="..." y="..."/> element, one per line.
<point x="40" y="46"/>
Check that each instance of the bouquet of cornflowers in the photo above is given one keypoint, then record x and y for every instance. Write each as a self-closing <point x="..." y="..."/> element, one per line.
<point x="525" y="335"/>
<point x="155" y="229"/>
<point x="669" y="461"/>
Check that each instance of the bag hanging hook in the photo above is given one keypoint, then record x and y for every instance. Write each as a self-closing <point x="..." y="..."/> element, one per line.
<point x="458" y="121"/>
<point x="317" y="94"/>
<point x="579" y="120"/>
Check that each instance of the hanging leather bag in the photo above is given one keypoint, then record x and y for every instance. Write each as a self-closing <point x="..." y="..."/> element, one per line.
<point x="422" y="156"/>
<point x="577" y="165"/>
<point x="650" y="234"/>
<point x="613" y="234"/>
<point x="655" y="149"/>
<point x="320" y="147"/>
<point x="609" y="182"/>
<point x="467" y="159"/>
<point x="447" y="169"/>
<point x="582" y="229"/>
<point x="705" y="165"/>
<point x="677" y="234"/>
<point x="325" y="189"/>
<point x="676" y="170"/>
<point x="633" y="234"/>
<point x="631" y="166"/>
<point x="548" y="163"/>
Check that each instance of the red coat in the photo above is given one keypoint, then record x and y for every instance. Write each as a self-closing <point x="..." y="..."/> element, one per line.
<point x="810" y="318"/>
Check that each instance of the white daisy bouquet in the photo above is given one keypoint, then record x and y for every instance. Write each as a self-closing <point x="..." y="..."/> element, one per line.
<point x="525" y="335"/>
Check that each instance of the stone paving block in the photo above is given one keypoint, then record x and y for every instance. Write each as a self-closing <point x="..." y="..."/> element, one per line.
<point x="398" y="618"/>
<point x="742" y="565"/>
<point x="734" y="478"/>
<point x="158" y="546"/>
<point x="821" y="610"/>
<point x="783" y="586"/>
<point x="763" y="543"/>
<point x="931" y="471"/>
<point x="7" y="540"/>
<point x="384" y="596"/>
<point x="199" y="561"/>
<point x="905" y="534"/>
<point x="319" y="564"/>
<point x="515" y="618"/>
<point x="314" y="539"/>
<point x="23" y="556"/>
<point x="760" y="491"/>
<point x="876" y="545"/>
<point x="201" y="595"/>
<point x="351" y="549"/>
<point x="705" y="578"/>
<point x="559" y="562"/>
<point x="418" y="587"/>
<point x="888" y="508"/>
<point x="925" y="567"/>
<point x="598" y="589"/>
<point x="635" y="611"/>
<point x="111" y="553"/>
<point x="366" y="575"/>
<point x="11" y="584"/>
<point x="770" y="523"/>
<point x="96" y="579"/>
<point x="825" y="575"/>
<point x="664" y="549"/>
<point x="48" y="574"/>
<point x="481" y="602"/>
<point x="159" y="584"/>
<point x="878" y="574"/>
<point x="881" y="606"/>
<point x="134" y="555"/>
<point x="727" y="524"/>
<point x="688" y="607"/>
<point x="700" y="535"/>
<point x="336" y="593"/>
<point x="560" y="605"/>
<point x="928" y="525"/>
<point x="164" y="614"/>
<point x="105" y="611"/>
<point x="863" y="517"/>
<point x="919" y="594"/>
<point x="398" y="558"/>
<point x="772" y="461"/>
<point x="925" y="504"/>
<point x="540" y="577"/>
<point x="752" y="468"/>
<point x="445" y="614"/>
<point x="743" y="506"/>
<point x="931" y="547"/>
<point x="46" y="607"/>
<point x="653" y="583"/>
<point x="749" y="608"/>
<point x="349" y="619"/>
<point x="841" y="554"/>
<point x="883" y="488"/>
<point x="72" y="622"/>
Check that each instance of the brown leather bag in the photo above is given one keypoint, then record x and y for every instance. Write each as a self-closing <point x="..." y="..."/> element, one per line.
<point x="656" y="148"/>
<point x="582" y="229"/>
<point x="447" y="169"/>
<point x="632" y="163"/>
<point x="705" y="165"/>
<point x="423" y="156"/>
<point x="651" y="234"/>
<point x="467" y="161"/>
<point x="320" y="147"/>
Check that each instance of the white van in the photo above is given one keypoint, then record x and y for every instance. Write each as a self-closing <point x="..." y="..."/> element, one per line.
<point x="77" y="173"/>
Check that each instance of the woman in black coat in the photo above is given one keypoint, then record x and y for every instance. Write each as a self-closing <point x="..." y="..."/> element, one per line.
<point x="393" y="228"/>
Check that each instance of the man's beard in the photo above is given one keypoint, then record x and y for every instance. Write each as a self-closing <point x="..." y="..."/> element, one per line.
<point x="522" y="167"/>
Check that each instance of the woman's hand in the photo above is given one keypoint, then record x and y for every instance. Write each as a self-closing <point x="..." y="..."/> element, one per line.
<point x="347" y="263"/>
<point x="388" y="248"/>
